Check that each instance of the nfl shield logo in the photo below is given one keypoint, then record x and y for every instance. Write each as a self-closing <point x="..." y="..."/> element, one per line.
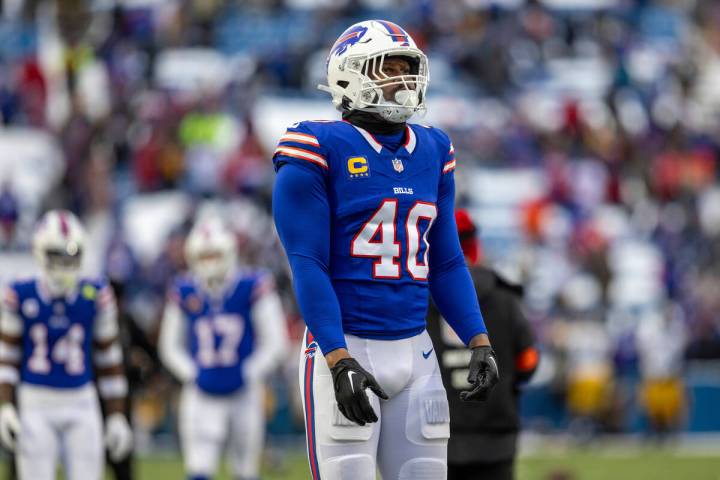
<point x="398" y="165"/>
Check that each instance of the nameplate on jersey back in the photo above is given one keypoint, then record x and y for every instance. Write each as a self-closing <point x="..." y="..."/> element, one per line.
<point x="358" y="167"/>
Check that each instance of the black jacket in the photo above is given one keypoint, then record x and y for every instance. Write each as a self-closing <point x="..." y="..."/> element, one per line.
<point x="485" y="432"/>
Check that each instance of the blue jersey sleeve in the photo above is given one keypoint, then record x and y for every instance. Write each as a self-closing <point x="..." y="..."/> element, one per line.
<point x="302" y="216"/>
<point x="450" y="283"/>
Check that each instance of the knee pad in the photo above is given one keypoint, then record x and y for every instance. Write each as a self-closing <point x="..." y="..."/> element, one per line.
<point x="423" y="469"/>
<point x="349" y="467"/>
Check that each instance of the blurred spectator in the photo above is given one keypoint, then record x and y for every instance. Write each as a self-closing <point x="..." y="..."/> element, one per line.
<point x="9" y="214"/>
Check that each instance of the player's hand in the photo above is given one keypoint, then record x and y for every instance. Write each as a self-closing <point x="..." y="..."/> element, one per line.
<point x="118" y="436"/>
<point x="9" y="425"/>
<point x="483" y="374"/>
<point x="350" y="381"/>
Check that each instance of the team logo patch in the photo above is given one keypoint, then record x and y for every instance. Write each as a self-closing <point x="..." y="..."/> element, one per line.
<point x="30" y="308"/>
<point x="350" y="37"/>
<point x="193" y="303"/>
<point x="311" y="349"/>
<point x="89" y="292"/>
<point x="398" y="165"/>
<point x="358" y="167"/>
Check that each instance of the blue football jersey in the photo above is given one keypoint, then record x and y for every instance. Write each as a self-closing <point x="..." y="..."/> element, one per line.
<point x="58" y="333"/>
<point x="220" y="331"/>
<point x="382" y="206"/>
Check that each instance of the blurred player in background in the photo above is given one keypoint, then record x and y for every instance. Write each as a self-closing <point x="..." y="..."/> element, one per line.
<point x="661" y="341"/>
<point x="483" y="437"/>
<point x="223" y="331"/>
<point x="57" y="333"/>
<point x="364" y="209"/>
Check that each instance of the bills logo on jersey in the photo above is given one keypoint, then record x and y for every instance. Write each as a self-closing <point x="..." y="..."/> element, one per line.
<point x="398" y="165"/>
<point x="350" y="37"/>
<point x="311" y="349"/>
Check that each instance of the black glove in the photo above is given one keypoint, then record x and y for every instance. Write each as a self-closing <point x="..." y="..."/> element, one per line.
<point x="483" y="374"/>
<point x="350" y="381"/>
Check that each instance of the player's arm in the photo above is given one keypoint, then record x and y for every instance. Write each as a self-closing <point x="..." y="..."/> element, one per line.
<point x="172" y="344"/>
<point x="10" y="357"/>
<point x="453" y="291"/>
<point x="302" y="217"/>
<point x="111" y="380"/>
<point x="271" y="339"/>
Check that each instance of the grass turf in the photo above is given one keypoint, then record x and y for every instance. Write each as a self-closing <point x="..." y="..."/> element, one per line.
<point x="569" y="465"/>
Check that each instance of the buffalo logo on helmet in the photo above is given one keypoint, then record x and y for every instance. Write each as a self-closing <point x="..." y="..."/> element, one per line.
<point x="350" y="37"/>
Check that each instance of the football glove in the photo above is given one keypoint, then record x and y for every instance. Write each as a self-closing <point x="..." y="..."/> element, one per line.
<point x="9" y="425"/>
<point x="483" y="374"/>
<point x="350" y="381"/>
<point x="118" y="436"/>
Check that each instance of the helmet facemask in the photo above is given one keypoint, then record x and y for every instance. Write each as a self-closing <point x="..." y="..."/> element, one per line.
<point x="212" y="267"/>
<point x="61" y="267"/>
<point x="406" y="100"/>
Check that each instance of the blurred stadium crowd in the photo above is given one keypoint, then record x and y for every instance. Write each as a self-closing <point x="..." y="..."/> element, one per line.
<point x="588" y="133"/>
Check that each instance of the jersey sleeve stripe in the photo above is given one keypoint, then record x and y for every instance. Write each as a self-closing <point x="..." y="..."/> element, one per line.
<point x="10" y="353"/>
<point x="109" y="357"/>
<point x="8" y="374"/>
<point x="449" y="166"/>
<point x="112" y="387"/>
<point x="302" y="154"/>
<point x="452" y="149"/>
<point x="10" y="299"/>
<point x="299" y="138"/>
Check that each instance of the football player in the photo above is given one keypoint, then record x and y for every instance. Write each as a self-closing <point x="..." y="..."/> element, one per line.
<point x="223" y="331"/>
<point x="58" y="332"/>
<point x="364" y="209"/>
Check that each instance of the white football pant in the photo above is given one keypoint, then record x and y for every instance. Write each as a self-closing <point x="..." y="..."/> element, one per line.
<point x="59" y="423"/>
<point x="409" y="441"/>
<point x="207" y="421"/>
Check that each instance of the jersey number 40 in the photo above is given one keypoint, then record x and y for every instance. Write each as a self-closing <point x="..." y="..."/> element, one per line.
<point x="386" y="249"/>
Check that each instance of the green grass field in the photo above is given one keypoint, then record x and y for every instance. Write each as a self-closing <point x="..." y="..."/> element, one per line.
<point x="574" y="465"/>
<point x="618" y="463"/>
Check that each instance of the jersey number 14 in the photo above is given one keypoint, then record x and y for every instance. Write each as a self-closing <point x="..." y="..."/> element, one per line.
<point x="386" y="249"/>
<point x="67" y="350"/>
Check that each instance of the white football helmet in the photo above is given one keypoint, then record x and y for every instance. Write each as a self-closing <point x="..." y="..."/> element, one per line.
<point x="58" y="243"/>
<point x="355" y="71"/>
<point x="211" y="252"/>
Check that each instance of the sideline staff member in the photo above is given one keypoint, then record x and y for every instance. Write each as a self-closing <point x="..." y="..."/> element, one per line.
<point x="483" y="436"/>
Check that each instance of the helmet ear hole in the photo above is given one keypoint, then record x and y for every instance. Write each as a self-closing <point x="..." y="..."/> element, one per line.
<point x="342" y="83"/>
